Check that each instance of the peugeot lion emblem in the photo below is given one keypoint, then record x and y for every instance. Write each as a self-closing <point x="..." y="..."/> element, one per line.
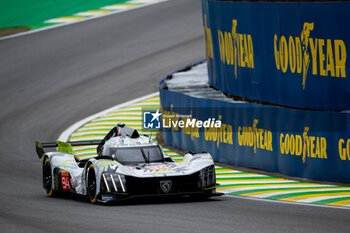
<point x="165" y="185"/>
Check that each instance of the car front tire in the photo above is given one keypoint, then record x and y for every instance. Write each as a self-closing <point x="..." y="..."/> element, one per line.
<point x="91" y="183"/>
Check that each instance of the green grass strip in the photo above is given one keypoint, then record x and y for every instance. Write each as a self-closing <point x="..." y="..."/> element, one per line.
<point x="33" y="13"/>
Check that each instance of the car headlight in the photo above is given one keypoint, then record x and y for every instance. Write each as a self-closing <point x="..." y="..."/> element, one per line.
<point x="113" y="182"/>
<point x="207" y="177"/>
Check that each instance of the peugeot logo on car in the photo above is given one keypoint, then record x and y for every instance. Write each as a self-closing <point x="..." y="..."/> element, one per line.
<point x="165" y="185"/>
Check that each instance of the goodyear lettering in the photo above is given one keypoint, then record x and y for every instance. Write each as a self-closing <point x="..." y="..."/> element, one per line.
<point x="194" y="132"/>
<point x="251" y="136"/>
<point x="295" y="54"/>
<point x="303" y="145"/>
<point x="344" y="149"/>
<point x="191" y="122"/>
<point x="188" y="125"/>
<point x="208" y="39"/>
<point x="169" y="116"/>
<point x="219" y="135"/>
<point x="187" y="128"/>
<point x="236" y="48"/>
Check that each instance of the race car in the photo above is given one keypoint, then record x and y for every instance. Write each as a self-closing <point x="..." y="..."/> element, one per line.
<point x="126" y="166"/>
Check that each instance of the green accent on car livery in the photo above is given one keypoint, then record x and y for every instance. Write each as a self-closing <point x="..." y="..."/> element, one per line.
<point x="64" y="147"/>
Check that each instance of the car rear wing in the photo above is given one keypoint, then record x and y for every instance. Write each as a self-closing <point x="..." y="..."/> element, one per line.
<point x="119" y="130"/>
<point x="62" y="146"/>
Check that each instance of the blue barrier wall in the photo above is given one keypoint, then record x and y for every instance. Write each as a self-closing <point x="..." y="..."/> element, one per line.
<point x="309" y="144"/>
<point x="286" y="53"/>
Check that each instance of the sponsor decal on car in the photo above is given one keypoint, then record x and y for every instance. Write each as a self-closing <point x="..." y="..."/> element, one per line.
<point x="130" y="168"/>
<point x="107" y="197"/>
<point x="158" y="169"/>
<point x="65" y="181"/>
<point x="72" y="183"/>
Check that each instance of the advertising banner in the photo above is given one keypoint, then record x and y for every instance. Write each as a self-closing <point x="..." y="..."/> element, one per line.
<point x="286" y="53"/>
<point x="298" y="143"/>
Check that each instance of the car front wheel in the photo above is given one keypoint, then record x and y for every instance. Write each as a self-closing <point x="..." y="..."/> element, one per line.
<point x="91" y="184"/>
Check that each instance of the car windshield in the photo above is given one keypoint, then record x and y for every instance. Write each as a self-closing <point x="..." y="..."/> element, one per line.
<point x="136" y="155"/>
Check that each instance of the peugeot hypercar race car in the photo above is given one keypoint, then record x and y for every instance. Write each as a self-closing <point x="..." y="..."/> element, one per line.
<point x="127" y="165"/>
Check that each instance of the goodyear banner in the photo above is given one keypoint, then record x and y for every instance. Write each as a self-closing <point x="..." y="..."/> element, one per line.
<point x="309" y="144"/>
<point x="286" y="53"/>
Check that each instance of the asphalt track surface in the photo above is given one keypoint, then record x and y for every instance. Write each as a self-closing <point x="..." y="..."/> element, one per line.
<point x="51" y="79"/>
